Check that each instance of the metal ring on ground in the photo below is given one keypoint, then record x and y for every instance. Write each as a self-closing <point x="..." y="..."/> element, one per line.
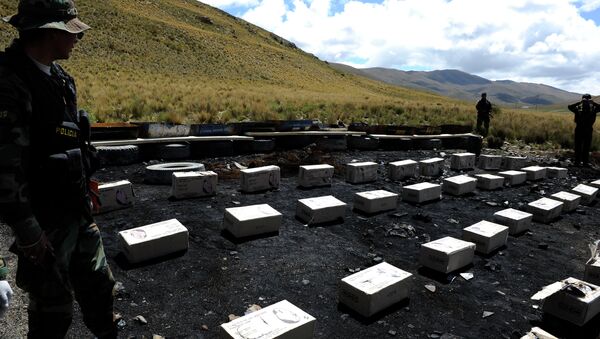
<point x="161" y="174"/>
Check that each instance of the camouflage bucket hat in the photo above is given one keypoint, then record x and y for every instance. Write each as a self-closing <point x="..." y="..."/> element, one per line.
<point x="49" y="14"/>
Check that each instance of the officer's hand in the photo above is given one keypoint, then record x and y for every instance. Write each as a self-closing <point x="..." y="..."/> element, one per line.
<point x="5" y="296"/>
<point x="38" y="252"/>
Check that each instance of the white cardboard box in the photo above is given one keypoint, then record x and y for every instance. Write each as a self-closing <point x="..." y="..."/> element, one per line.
<point x="487" y="236"/>
<point x="421" y="192"/>
<point x="251" y="220"/>
<point x="458" y="185"/>
<point x="490" y="162"/>
<point x="431" y="167"/>
<point x="595" y="184"/>
<point x="570" y="201"/>
<point x="153" y="241"/>
<point x="320" y="209"/>
<point x="513" y="178"/>
<point x="592" y="270"/>
<point x="375" y="201"/>
<point x="315" y="175"/>
<point x="115" y="195"/>
<point x="461" y="161"/>
<point x="489" y="181"/>
<point x="545" y="210"/>
<point x="587" y="193"/>
<point x="447" y="254"/>
<point x="571" y="307"/>
<point x="281" y="320"/>
<point x="194" y="184"/>
<point x="513" y="163"/>
<point x="399" y="170"/>
<point x="538" y="333"/>
<point x="556" y="172"/>
<point x="534" y="172"/>
<point x="517" y="221"/>
<point x="374" y="289"/>
<point x="260" y="179"/>
<point x="361" y="172"/>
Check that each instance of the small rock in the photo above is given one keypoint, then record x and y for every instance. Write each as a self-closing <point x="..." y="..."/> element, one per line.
<point x="233" y="253"/>
<point x="467" y="276"/>
<point x="452" y="221"/>
<point x="430" y="288"/>
<point x="121" y="324"/>
<point x="487" y="314"/>
<point x="141" y="319"/>
<point x="344" y="316"/>
<point x="156" y="336"/>
<point x="232" y="317"/>
<point x="253" y="308"/>
<point x="491" y="203"/>
<point x="580" y="211"/>
<point x="392" y="332"/>
<point x="377" y="260"/>
<point x="204" y="328"/>
<point x="305" y="282"/>
<point x="236" y="202"/>
<point x="411" y="326"/>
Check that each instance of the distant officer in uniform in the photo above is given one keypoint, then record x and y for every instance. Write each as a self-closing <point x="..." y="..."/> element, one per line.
<point x="45" y="165"/>
<point x="484" y="113"/>
<point x="585" y="115"/>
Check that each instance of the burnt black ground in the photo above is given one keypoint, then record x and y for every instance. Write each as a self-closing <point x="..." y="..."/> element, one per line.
<point x="217" y="277"/>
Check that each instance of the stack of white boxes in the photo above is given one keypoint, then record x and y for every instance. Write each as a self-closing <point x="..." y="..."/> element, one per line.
<point x="595" y="184"/>
<point x="315" y="175"/>
<point x="375" y="201"/>
<point x="251" y="220"/>
<point x="556" y="172"/>
<point x="153" y="241"/>
<point x="490" y="162"/>
<point x="374" y="289"/>
<point x="545" y="210"/>
<point x="361" y="172"/>
<point x="460" y="184"/>
<point x="280" y="320"/>
<point x="487" y="236"/>
<point x="194" y="184"/>
<point x="513" y="163"/>
<point x="513" y="178"/>
<point x="489" y="181"/>
<point x="422" y="192"/>
<point x="462" y="161"/>
<point x="534" y="172"/>
<point x="399" y="170"/>
<point x="431" y="167"/>
<point x="320" y="209"/>
<point x="115" y="195"/>
<point x="570" y="201"/>
<point x="587" y="193"/>
<point x="260" y="179"/>
<point x="577" y="309"/>
<point x="447" y="254"/>
<point x="517" y="221"/>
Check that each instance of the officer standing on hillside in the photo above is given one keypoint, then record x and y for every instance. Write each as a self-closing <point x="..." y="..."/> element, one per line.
<point x="585" y="115"/>
<point x="44" y="172"/>
<point x="484" y="113"/>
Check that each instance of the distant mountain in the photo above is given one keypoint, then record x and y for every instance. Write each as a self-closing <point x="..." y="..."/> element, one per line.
<point x="460" y="85"/>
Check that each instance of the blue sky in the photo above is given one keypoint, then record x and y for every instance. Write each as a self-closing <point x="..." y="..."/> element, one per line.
<point x="554" y="42"/>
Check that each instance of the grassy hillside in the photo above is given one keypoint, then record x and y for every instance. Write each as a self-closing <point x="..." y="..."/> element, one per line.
<point x="183" y="61"/>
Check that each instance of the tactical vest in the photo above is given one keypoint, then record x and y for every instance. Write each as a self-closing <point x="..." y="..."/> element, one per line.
<point x="56" y="172"/>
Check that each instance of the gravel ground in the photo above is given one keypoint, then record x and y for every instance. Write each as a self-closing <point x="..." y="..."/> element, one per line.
<point x="190" y="295"/>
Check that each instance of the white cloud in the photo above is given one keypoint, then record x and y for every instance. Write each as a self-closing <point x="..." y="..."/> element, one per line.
<point x="528" y="40"/>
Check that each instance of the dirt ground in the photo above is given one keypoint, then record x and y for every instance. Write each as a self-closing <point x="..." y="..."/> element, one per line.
<point x="190" y="295"/>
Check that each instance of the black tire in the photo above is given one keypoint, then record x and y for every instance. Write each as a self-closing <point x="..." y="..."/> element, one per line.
<point x="173" y="151"/>
<point x="161" y="174"/>
<point x="118" y="155"/>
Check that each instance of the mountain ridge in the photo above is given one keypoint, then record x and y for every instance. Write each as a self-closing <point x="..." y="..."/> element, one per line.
<point x="464" y="86"/>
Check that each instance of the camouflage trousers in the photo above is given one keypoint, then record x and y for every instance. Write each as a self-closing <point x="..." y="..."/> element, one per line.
<point x="79" y="269"/>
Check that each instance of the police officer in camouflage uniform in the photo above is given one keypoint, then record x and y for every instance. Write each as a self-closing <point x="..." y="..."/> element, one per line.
<point x="44" y="173"/>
